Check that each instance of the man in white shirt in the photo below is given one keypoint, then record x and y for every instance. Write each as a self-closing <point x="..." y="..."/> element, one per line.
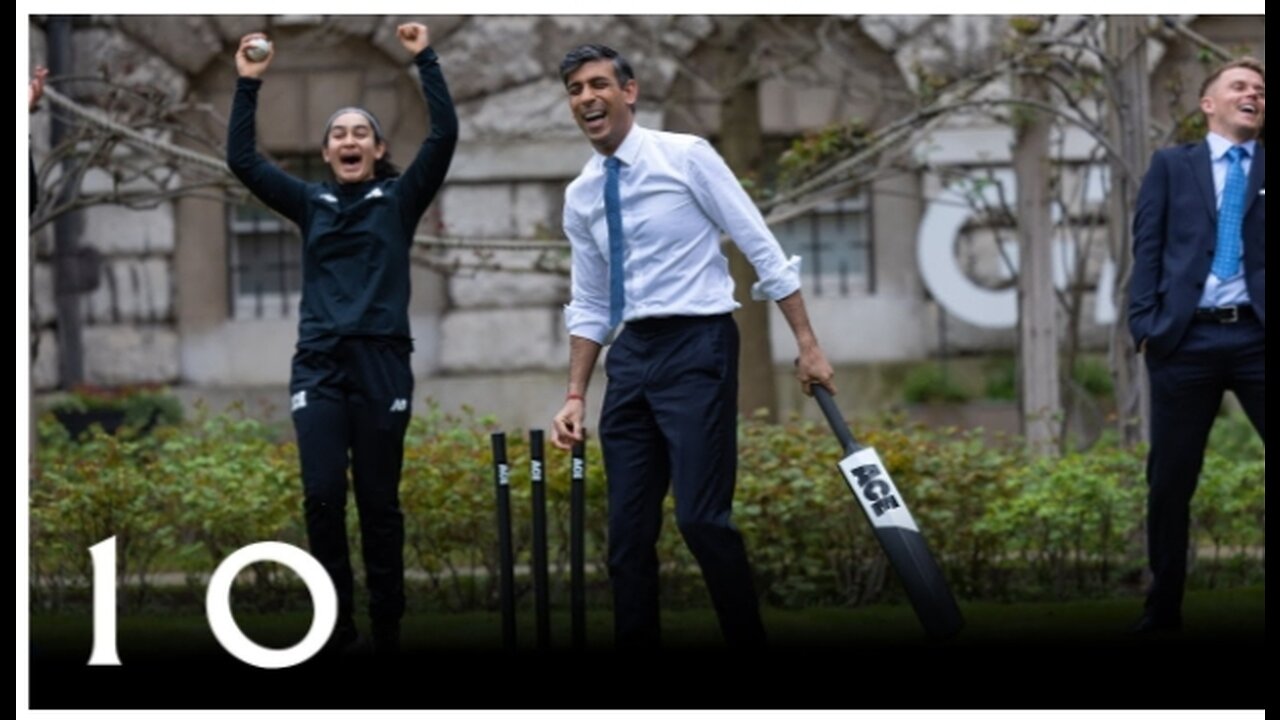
<point x="653" y="205"/>
<point x="1197" y="308"/>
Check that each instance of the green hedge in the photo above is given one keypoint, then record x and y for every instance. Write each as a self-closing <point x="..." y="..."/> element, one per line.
<point x="1002" y="525"/>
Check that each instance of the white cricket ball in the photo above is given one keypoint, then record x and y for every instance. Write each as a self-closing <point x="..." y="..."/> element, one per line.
<point x="258" y="49"/>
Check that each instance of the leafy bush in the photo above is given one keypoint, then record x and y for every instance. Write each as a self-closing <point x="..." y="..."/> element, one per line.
<point x="929" y="384"/>
<point x="136" y="407"/>
<point x="1073" y="520"/>
<point x="1229" y="512"/>
<point x="234" y="486"/>
<point x="1234" y="436"/>
<point x="1001" y="524"/>
<point x="1094" y="377"/>
<point x="88" y="491"/>
<point x="1002" y="380"/>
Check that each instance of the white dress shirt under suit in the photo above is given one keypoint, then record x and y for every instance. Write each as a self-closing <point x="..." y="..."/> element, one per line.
<point x="1232" y="291"/>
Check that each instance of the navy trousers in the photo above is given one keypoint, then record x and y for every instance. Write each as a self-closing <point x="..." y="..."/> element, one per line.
<point x="1186" y="394"/>
<point x="351" y="408"/>
<point x="670" y="417"/>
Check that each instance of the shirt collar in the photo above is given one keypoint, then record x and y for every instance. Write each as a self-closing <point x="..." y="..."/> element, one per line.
<point x="1219" y="145"/>
<point x="629" y="151"/>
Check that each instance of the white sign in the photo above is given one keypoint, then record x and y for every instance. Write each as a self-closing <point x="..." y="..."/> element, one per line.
<point x="955" y="291"/>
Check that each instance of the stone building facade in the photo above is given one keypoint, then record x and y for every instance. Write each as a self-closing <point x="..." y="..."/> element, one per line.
<point x="202" y="294"/>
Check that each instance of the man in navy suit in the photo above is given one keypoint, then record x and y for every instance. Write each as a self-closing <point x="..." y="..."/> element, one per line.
<point x="1197" y="308"/>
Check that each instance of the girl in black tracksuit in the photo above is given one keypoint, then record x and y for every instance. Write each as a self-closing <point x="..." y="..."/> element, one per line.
<point x="351" y="384"/>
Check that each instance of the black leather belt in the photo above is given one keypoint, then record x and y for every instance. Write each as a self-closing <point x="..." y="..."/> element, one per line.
<point x="672" y="322"/>
<point x="1224" y="315"/>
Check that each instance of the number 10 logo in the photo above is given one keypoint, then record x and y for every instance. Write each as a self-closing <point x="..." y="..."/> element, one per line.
<point x="218" y="605"/>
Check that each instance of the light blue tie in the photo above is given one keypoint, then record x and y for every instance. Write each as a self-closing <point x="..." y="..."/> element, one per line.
<point x="613" y="216"/>
<point x="1226" y="256"/>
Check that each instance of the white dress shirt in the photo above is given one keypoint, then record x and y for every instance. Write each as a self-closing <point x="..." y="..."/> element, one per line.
<point x="1231" y="291"/>
<point x="677" y="197"/>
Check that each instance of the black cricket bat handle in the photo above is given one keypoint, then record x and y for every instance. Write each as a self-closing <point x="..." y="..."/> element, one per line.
<point x="835" y="419"/>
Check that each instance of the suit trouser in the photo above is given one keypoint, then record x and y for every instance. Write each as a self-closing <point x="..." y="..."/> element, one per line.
<point x="351" y="408"/>
<point x="1186" y="394"/>
<point x="670" y="416"/>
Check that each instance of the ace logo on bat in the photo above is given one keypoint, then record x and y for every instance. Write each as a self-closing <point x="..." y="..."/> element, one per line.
<point x="879" y="492"/>
<point x="871" y="484"/>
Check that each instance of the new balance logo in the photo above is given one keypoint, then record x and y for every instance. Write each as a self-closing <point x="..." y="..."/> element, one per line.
<point x="399" y="405"/>
<point x="298" y="401"/>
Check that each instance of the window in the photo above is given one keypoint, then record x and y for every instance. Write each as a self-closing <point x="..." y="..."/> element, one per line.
<point x="264" y="265"/>
<point x="835" y="241"/>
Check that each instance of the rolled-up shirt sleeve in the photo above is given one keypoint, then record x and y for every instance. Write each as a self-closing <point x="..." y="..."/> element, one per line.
<point x="722" y="198"/>
<point x="587" y="314"/>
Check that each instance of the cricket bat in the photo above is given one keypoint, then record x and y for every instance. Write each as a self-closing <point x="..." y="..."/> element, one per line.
<point x="894" y="527"/>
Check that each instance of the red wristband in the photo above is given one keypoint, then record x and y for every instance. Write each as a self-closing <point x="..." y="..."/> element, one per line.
<point x="574" y="396"/>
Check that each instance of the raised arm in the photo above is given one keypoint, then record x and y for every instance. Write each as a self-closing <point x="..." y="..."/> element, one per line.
<point x="425" y="174"/>
<point x="277" y="189"/>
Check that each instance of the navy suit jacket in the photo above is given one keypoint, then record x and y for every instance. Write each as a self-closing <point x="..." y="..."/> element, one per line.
<point x="1175" y="229"/>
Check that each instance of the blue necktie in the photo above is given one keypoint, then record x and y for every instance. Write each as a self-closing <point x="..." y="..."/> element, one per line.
<point x="613" y="216"/>
<point x="1226" y="256"/>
